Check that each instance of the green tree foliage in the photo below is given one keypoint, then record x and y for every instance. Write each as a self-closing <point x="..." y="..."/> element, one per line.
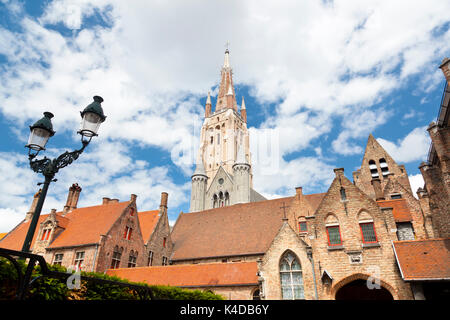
<point x="52" y="288"/>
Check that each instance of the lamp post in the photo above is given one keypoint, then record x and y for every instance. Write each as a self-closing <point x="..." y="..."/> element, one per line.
<point x="91" y="118"/>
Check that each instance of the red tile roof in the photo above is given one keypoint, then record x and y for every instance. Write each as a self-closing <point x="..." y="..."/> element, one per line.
<point x="196" y="275"/>
<point x="423" y="259"/>
<point x="148" y="221"/>
<point x="86" y="225"/>
<point x="82" y="226"/>
<point x="228" y="231"/>
<point x="400" y="208"/>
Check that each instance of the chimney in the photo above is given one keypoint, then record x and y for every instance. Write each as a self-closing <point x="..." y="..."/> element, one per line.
<point x="33" y="206"/>
<point x="163" y="204"/>
<point x="338" y="171"/>
<point x="114" y="201"/>
<point x="133" y="197"/>
<point x="106" y="200"/>
<point x="299" y="192"/>
<point x="72" y="198"/>
<point x="376" y="183"/>
<point x="445" y="67"/>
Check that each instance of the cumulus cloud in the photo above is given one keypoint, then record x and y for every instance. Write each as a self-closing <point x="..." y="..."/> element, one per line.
<point x="413" y="147"/>
<point x="323" y="64"/>
<point x="416" y="182"/>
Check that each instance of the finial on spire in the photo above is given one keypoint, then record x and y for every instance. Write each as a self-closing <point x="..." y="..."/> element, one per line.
<point x="226" y="62"/>
<point x="243" y="103"/>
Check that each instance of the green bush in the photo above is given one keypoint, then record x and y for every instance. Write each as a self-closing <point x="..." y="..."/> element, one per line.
<point x="49" y="288"/>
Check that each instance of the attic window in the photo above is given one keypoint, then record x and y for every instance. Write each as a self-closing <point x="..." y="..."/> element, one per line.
<point x="396" y="196"/>
<point x="302" y="227"/>
<point x="127" y="233"/>
<point x="343" y="195"/>
<point x="164" y="242"/>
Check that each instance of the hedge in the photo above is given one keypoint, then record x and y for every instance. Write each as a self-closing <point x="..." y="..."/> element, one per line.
<point x="48" y="288"/>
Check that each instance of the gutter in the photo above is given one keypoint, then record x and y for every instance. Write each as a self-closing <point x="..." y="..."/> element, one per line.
<point x="95" y="258"/>
<point x="310" y="257"/>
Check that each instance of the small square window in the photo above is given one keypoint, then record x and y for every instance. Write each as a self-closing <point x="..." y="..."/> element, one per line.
<point x="302" y="227"/>
<point x="396" y="196"/>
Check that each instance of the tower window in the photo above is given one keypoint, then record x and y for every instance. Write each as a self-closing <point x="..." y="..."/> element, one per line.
<point x="373" y="169"/>
<point x="384" y="167"/>
<point x="212" y="139"/>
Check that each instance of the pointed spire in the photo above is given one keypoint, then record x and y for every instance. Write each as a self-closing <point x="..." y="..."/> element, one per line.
<point x="243" y="110"/>
<point x="199" y="168"/>
<point x="240" y="158"/>
<point x="208" y="106"/>
<point x="208" y="100"/>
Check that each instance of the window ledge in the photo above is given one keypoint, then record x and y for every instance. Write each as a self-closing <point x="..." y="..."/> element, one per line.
<point x="371" y="245"/>
<point x="333" y="248"/>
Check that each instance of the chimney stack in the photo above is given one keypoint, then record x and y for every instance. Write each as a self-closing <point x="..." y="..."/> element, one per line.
<point x="33" y="206"/>
<point x="376" y="183"/>
<point x="106" y="200"/>
<point x="72" y="198"/>
<point x="338" y="171"/>
<point x="163" y="204"/>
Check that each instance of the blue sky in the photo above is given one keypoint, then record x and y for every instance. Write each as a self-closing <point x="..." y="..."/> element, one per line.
<point x="317" y="77"/>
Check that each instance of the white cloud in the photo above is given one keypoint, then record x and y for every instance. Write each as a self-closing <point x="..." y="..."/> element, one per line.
<point x="413" y="147"/>
<point x="319" y="62"/>
<point x="416" y="182"/>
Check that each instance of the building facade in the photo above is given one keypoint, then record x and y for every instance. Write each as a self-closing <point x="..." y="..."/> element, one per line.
<point x="369" y="238"/>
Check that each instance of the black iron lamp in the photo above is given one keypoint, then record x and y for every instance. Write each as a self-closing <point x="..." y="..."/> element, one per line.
<point x="91" y="118"/>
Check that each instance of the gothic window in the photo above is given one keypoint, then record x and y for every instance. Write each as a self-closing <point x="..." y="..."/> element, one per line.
<point x="164" y="261"/>
<point x="58" y="259"/>
<point x="291" y="277"/>
<point x="227" y="198"/>
<point x="117" y="254"/>
<point x="218" y="138"/>
<point x="221" y="199"/>
<point x="384" y="167"/>
<point x="373" y="169"/>
<point x="215" y="201"/>
<point x="212" y="139"/>
<point x="132" y="259"/>
<point x="164" y="242"/>
<point x="255" y="295"/>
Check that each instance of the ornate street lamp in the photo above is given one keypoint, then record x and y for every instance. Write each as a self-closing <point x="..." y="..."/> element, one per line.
<point x="91" y="118"/>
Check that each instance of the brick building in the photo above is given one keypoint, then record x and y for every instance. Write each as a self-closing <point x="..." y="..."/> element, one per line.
<point x="369" y="238"/>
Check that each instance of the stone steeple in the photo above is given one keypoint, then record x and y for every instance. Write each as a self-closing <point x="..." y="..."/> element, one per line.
<point x="226" y="87"/>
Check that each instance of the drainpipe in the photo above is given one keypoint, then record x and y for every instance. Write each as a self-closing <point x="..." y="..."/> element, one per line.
<point x="95" y="258"/>
<point x="310" y="257"/>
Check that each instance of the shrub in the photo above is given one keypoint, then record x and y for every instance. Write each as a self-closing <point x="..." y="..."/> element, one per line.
<point x="50" y="288"/>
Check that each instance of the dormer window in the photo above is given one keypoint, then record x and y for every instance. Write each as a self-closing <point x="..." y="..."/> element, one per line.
<point x="45" y="234"/>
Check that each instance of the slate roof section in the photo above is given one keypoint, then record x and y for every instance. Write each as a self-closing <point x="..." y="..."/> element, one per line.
<point x="422" y="260"/>
<point x="196" y="275"/>
<point x="240" y="229"/>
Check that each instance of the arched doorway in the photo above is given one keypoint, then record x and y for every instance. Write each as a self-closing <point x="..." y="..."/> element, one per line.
<point x="358" y="290"/>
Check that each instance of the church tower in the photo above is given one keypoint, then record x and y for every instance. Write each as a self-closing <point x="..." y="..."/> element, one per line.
<point x="224" y="131"/>
<point x="223" y="174"/>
